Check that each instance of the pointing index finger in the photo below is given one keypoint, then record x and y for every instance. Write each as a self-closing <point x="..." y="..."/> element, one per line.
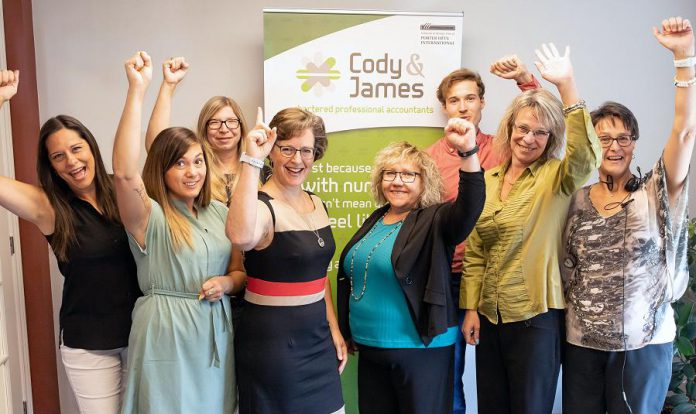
<point x="259" y="116"/>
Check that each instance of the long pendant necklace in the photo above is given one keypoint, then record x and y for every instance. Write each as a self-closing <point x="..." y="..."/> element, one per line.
<point x="308" y="220"/>
<point x="310" y="224"/>
<point x="369" y="257"/>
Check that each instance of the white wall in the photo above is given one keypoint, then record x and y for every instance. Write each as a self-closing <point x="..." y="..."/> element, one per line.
<point x="81" y="44"/>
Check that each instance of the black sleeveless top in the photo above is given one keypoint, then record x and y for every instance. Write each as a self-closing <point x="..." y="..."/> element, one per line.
<point x="101" y="283"/>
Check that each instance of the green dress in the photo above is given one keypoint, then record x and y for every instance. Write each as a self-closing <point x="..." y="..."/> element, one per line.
<point x="180" y="352"/>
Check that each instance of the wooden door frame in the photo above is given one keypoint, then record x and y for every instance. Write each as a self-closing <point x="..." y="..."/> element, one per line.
<point x="20" y="51"/>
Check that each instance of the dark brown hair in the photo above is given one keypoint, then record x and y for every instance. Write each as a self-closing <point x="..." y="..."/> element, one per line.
<point x="614" y="110"/>
<point x="58" y="191"/>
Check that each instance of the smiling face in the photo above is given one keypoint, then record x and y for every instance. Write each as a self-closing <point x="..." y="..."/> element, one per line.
<point x="402" y="196"/>
<point x="527" y="143"/>
<point x="292" y="171"/>
<point x="463" y="101"/>
<point x="72" y="159"/>
<point x="616" y="159"/>
<point x="224" y="139"/>
<point x="186" y="177"/>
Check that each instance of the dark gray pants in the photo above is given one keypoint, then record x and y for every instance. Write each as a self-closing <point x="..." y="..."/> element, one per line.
<point x="405" y="381"/>
<point x="517" y="364"/>
<point x="592" y="380"/>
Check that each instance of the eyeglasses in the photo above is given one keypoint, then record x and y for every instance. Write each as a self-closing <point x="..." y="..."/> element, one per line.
<point x="524" y="130"/>
<point x="622" y="140"/>
<point x="406" y="176"/>
<point x="229" y="123"/>
<point x="288" y="151"/>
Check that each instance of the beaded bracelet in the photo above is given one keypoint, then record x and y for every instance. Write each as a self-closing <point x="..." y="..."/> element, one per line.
<point x="684" y="84"/>
<point x="568" y="109"/>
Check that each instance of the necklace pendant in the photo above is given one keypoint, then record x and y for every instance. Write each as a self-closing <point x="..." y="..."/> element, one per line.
<point x="320" y="241"/>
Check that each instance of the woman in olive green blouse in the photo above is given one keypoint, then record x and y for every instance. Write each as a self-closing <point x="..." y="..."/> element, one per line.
<point x="511" y="284"/>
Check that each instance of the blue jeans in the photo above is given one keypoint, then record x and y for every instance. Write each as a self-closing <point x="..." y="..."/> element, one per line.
<point x="459" y="357"/>
<point x="594" y="381"/>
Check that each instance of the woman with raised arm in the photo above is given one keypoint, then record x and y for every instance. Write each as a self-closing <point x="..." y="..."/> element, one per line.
<point x="625" y="256"/>
<point x="221" y="126"/>
<point x="395" y="302"/>
<point x="181" y="354"/>
<point x="289" y="348"/>
<point x="511" y="285"/>
<point x="75" y="208"/>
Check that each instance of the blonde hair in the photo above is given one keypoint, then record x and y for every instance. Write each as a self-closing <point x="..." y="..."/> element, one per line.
<point x="396" y="152"/>
<point x="210" y="108"/>
<point x="169" y="146"/>
<point x="547" y="109"/>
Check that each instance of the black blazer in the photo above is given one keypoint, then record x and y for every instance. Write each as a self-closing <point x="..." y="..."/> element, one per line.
<point x="422" y="257"/>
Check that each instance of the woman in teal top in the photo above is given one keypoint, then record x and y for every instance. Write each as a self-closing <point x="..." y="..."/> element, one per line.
<point x="394" y="300"/>
<point x="181" y="358"/>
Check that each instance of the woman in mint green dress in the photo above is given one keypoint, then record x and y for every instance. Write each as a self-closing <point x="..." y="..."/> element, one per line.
<point x="180" y="358"/>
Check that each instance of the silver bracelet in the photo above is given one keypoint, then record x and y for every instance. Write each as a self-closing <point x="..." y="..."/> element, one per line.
<point x="578" y="105"/>
<point x="686" y="62"/>
<point x="684" y="84"/>
<point x="254" y="162"/>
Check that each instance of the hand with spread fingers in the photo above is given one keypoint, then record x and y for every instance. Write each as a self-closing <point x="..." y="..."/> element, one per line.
<point x="553" y="66"/>
<point x="511" y="67"/>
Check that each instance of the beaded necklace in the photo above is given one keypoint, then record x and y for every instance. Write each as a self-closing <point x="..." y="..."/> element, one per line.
<point x="369" y="256"/>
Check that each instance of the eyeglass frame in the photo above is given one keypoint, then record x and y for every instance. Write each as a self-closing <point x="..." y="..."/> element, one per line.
<point x="296" y="150"/>
<point x="400" y="174"/>
<point x="536" y="133"/>
<point x="235" y="120"/>
<point x="612" y="139"/>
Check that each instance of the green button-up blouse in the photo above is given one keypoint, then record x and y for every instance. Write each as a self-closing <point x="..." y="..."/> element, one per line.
<point x="511" y="261"/>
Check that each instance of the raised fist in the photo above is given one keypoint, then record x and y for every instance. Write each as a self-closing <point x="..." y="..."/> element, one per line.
<point x="139" y="70"/>
<point x="174" y="70"/>
<point x="9" y="81"/>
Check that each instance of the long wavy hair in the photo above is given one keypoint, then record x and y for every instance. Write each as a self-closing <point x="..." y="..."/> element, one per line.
<point x="59" y="193"/>
<point x="210" y="108"/>
<point x="169" y="146"/>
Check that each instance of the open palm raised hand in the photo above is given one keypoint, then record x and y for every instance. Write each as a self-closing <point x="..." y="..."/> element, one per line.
<point x="553" y="66"/>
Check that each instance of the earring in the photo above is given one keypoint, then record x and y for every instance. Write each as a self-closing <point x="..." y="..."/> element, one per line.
<point x="633" y="157"/>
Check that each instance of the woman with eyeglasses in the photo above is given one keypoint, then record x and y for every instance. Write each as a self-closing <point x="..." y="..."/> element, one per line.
<point x="511" y="284"/>
<point x="221" y="126"/>
<point x="289" y="348"/>
<point x="395" y="303"/>
<point x="625" y="255"/>
<point x="75" y="208"/>
<point x="181" y="357"/>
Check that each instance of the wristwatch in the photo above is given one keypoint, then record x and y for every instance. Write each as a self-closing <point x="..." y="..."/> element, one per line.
<point x="468" y="153"/>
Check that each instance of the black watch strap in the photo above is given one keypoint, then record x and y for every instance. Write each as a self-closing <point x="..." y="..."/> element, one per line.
<point x="468" y="153"/>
